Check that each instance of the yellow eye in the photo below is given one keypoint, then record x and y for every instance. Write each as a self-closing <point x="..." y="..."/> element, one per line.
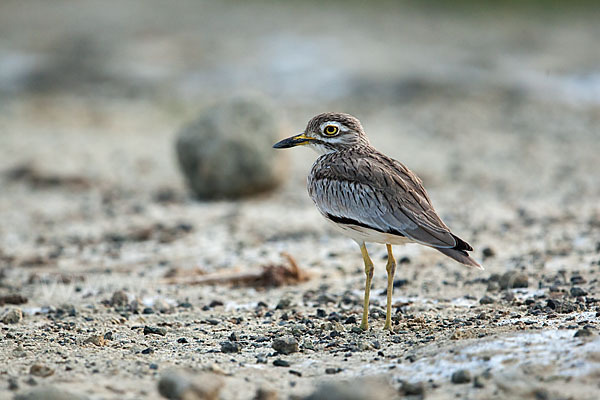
<point x="331" y="130"/>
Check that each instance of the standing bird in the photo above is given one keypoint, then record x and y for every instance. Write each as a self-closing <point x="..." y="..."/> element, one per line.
<point x="371" y="197"/>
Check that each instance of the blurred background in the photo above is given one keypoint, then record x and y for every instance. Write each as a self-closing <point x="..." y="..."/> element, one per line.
<point x="499" y="104"/>
<point x="495" y="105"/>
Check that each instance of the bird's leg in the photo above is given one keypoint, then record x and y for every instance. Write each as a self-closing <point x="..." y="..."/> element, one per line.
<point x="391" y="270"/>
<point x="369" y="273"/>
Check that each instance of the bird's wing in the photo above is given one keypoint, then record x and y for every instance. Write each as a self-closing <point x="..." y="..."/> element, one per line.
<point x="381" y="194"/>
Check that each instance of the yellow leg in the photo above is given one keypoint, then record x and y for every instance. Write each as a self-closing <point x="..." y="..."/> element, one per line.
<point x="369" y="273"/>
<point x="391" y="270"/>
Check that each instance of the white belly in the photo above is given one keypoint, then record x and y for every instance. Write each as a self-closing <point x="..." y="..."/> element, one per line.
<point x="361" y="234"/>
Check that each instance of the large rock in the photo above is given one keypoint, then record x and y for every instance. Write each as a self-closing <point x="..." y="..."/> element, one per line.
<point x="227" y="151"/>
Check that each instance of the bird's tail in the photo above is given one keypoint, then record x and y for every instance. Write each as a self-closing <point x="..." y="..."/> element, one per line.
<point x="461" y="256"/>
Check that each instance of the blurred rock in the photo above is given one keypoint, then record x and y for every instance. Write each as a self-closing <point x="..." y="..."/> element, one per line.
<point x="41" y="370"/>
<point x="48" y="393"/>
<point x="119" y="298"/>
<point x="461" y="376"/>
<point x="227" y="151"/>
<point x="177" y="384"/>
<point x="513" y="279"/>
<point x="361" y="389"/>
<point x="13" y="316"/>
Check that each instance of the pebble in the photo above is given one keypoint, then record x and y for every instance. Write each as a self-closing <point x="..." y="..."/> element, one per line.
<point x="154" y="330"/>
<point x="461" y="376"/>
<point x="183" y="385"/>
<point x="13" y="316"/>
<point x="281" y="363"/>
<point x="486" y="300"/>
<point x="265" y="394"/>
<point x="227" y="151"/>
<point x="488" y="252"/>
<point x="41" y="370"/>
<point x="412" y="389"/>
<point x="332" y="371"/>
<point x="48" y="393"/>
<point x="576" y="291"/>
<point x="513" y="279"/>
<point x="230" y="347"/>
<point x="584" y="332"/>
<point x="285" y="345"/>
<point x="97" y="340"/>
<point x="119" y="298"/>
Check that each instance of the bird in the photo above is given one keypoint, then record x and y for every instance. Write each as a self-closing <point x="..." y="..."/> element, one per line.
<point x="371" y="198"/>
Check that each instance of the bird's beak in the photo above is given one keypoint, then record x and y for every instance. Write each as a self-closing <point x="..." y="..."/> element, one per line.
<point x="293" y="141"/>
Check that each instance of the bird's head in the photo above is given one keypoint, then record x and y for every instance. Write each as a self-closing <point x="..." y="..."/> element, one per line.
<point x="327" y="133"/>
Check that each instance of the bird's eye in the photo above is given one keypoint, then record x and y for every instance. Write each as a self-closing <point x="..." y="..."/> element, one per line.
<point x="331" y="130"/>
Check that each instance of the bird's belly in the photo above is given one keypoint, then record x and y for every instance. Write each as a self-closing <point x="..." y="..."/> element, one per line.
<point x="361" y="234"/>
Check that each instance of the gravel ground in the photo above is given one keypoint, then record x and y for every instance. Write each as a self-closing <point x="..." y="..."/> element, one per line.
<point x="111" y="275"/>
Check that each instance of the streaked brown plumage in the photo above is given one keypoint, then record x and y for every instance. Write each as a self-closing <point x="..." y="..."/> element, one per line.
<point x="370" y="196"/>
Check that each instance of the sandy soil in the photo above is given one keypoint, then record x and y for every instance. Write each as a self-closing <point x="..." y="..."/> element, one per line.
<point x="498" y="112"/>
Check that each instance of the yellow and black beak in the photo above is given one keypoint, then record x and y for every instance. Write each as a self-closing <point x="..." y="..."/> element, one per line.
<point x="293" y="141"/>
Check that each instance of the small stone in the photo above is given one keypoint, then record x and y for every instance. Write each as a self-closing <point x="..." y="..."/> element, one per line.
<point x="398" y="283"/>
<point x="154" y="330"/>
<point x="461" y="376"/>
<point x="215" y="303"/>
<point x="576" y="291"/>
<point x="285" y="345"/>
<point x="488" y="252"/>
<point x="41" y="370"/>
<point x="578" y="280"/>
<point x="331" y="371"/>
<point x="13" y="384"/>
<point x="119" y="298"/>
<point x="182" y="340"/>
<point x="108" y="335"/>
<point x="13" y="316"/>
<point x="486" y="300"/>
<point x="584" y="332"/>
<point x="350" y="320"/>
<point x="148" y="350"/>
<point x="281" y="363"/>
<point x="97" y="340"/>
<point x="230" y="347"/>
<point x="513" y="279"/>
<point x="227" y="151"/>
<point x="412" y="389"/>
<point x="283" y="304"/>
<point x="265" y="394"/>
<point x="153" y="366"/>
<point x="148" y="310"/>
<point x="182" y="385"/>
<point x="48" y="393"/>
